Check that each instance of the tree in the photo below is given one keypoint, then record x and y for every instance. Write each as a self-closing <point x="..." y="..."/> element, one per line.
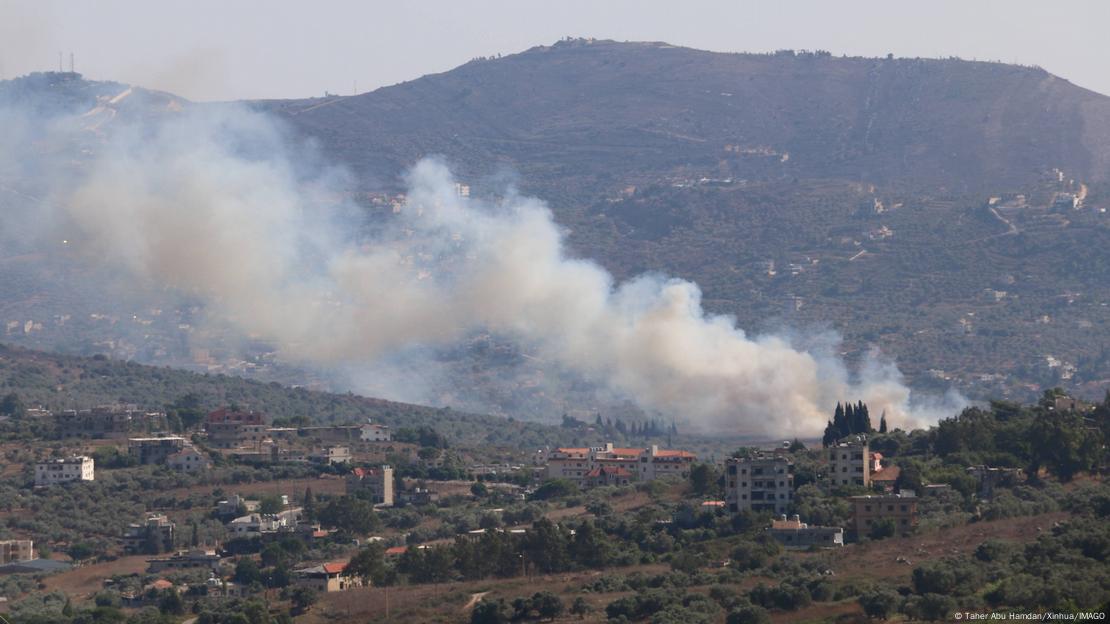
<point x="171" y="603"/>
<point x="702" y="479"/>
<point x="12" y="406"/>
<point x="270" y="504"/>
<point x="748" y="614"/>
<point x="797" y="445"/>
<point x="247" y="571"/>
<point x="882" y="422"/>
<point x="830" y="436"/>
<point x="491" y="612"/>
<point x="309" y="503"/>
<point x="547" y="604"/>
<point x="840" y="422"/>
<point x="369" y="564"/>
<point x="882" y="528"/>
<point x="879" y="603"/>
<point x="580" y="607"/>
<point x="303" y="598"/>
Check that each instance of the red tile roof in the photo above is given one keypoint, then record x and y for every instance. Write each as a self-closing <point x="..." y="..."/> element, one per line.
<point x="671" y="453"/>
<point x="395" y="550"/>
<point x="334" y="567"/>
<point x="890" y="473"/>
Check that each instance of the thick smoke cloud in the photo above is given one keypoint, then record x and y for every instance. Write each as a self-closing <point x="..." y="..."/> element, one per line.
<point x="220" y="204"/>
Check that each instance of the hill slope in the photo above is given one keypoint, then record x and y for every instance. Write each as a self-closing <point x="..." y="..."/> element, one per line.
<point x="842" y="192"/>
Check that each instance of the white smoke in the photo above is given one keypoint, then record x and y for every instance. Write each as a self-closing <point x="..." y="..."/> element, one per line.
<point x="218" y="203"/>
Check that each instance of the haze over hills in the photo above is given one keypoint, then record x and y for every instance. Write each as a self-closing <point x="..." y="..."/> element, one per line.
<point x="804" y="187"/>
<point x="951" y="213"/>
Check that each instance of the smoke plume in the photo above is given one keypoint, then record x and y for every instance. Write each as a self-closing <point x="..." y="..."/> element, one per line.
<point x="220" y="204"/>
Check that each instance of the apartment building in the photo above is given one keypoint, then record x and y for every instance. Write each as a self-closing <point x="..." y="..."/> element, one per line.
<point x="75" y="468"/>
<point x="900" y="508"/>
<point x="228" y="428"/>
<point x="158" y="527"/>
<point x="107" y="421"/>
<point x="12" y="551"/>
<point x="850" y="462"/>
<point x="762" y="482"/>
<point x="580" y="464"/>
<point x="379" y="482"/>
<point x="154" y="450"/>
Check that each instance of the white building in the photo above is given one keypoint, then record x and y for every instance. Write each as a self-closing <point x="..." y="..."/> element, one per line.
<point x="188" y="459"/>
<point x="850" y="462"/>
<point x="375" y="433"/>
<point x="643" y="464"/>
<point x="760" y="483"/>
<point x="76" y="468"/>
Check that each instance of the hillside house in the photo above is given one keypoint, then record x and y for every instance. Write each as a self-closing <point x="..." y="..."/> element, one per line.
<point x="868" y="510"/>
<point x="850" y="462"/>
<point x="157" y="529"/>
<point x="12" y="551"/>
<point x="154" y="450"/>
<point x="643" y="464"/>
<point x="189" y="459"/>
<point x="371" y="432"/>
<point x="75" y="468"/>
<point x="184" y="560"/>
<point x="228" y="428"/>
<point x="762" y="482"/>
<point x="109" y="421"/>
<point x="378" y="481"/>
<point x="327" y="577"/>
<point x="794" y="533"/>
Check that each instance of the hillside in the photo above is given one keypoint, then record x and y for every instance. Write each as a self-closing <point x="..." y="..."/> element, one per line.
<point x="798" y="189"/>
<point x="951" y="213"/>
<point x="67" y="382"/>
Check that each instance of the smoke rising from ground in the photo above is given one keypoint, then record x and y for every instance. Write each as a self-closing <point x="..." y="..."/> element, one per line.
<point x="220" y="204"/>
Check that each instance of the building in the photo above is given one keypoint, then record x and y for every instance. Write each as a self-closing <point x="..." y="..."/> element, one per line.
<point x="644" y="464"/>
<point x="189" y="459"/>
<point x="332" y="455"/>
<point x="259" y="524"/>
<point x="794" y="533"/>
<point x="327" y="577"/>
<point x="608" y="475"/>
<point x="371" y="432"/>
<point x="991" y="478"/>
<point x="763" y="482"/>
<point x="850" y="462"/>
<point x="107" y="421"/>
<point x="157" y="530"/>
<point x="233" y="428"/>
<point x="868" y="510"/>
<point x="154" y="450"/>
<point x="379" y="482"/>
<point x="657" y="463"/>
<point x="885" y="479"/>
<point x="184" y="560"/>
<point x="236" y="505"/>
<point x="12" y="551"/>
<point x="76" y="468"/>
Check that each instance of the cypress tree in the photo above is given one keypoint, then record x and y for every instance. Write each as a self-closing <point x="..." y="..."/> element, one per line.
<point x="864" y="418"/>
<point x="839" y="422"/>
<point x="882" y="422"/>
<point x="830" y="435"/>
<point x="850" y="418"/>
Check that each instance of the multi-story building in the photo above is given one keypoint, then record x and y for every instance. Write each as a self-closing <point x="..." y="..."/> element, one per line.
<point x="258" y="524"/>
<point x="154" y="450"/>
<point x="12" y="551"/>
<point x="850" y="462"/>
<point x="75" y="468"/>
<point x="156" y="530"/>
<point x="379" y="482"/>
<point x="371" y="432"/>
<point x="899" y="508"/>
<point x="657" y="463"/>
<point x="763" y="482"/>
<point x="643" y="464"/>
<point x="794" y="533"/>
<point x="236" y="505"/>
<point x="108" y="421"/>
<point x="228" y="428"/>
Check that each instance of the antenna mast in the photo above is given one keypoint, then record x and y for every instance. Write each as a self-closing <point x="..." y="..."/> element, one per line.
<point x="71" y="62"/>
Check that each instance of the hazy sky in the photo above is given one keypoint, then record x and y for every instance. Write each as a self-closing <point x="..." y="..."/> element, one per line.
<point x="228" y="49"/>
